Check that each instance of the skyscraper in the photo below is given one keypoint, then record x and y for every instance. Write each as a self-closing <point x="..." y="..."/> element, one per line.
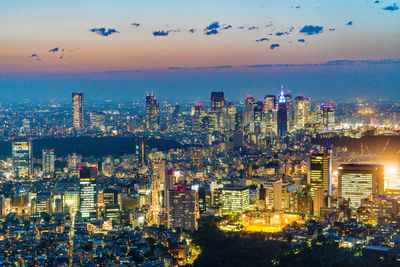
<point x="326" y="115"/>
<point x="282" y="115"/>
<point x="152" y="113"/>
<point x="320" y="171"/>
<point x="22" y="158"/>
<point x="182" y="208"/>
<point x="141" y="150"/>
<point x="301" y="111"/>
<point x="78" y="111"/>
<point x="48" y="161"/>
<point x="217" y="101"/>
<point x="97" y="120"/>
<point x="88" y="192"/>
<point x="269" y="102"/>
<point x="235" y="199"/>
<point x="289" y="108"/>
<point x="360" y="181"/>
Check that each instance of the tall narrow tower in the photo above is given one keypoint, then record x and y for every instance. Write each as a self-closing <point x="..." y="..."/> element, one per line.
<point x="77" y="111"/>
<point x="282" y="114"/>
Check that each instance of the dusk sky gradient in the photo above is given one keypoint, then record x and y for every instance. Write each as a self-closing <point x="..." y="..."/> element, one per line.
<point x="131" y="47"/>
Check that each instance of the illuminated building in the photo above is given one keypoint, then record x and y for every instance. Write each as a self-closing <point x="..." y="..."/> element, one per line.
<point x="248" y="113"/>
<point x="22" y="158"/>
<point x="269" y="102"/>
<point x="41" y="203"/>
<point x="152" y="113"/>
<point x="74" y="160"/>
<point x="282" y="115"/>
<point x="141" y="150"/>
<point x="319" y="175"/>
<point x="301" y="111"/>
<point x="48" y="160"/>
<point x="71" y="200"/>
<point x="182" y="208"/>
<point x="217" y="101"/>
<point x="87" y="192"/>
<point x="289" y="108"/>
<point x="78" y="111"/>
<point x="108" y="166"/>
<point x="169" y="182"/>
<point x="360" y="181"/>
<point x="326" y="115"/>
<point x="111" y="211"/>
<point x="274" y="195"/>
<point x="97" y="121"/>
<point x="318" y="201"/>
<point x="235" y="199"/>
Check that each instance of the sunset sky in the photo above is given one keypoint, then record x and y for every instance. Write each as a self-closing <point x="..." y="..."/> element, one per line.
<point x="42" y="38"/>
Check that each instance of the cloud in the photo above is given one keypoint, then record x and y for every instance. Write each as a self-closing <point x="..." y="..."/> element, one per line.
<point x="192" y="30"/>
<point x="273" y="46"/>
<point x="281" y="33"/>
<point x="177" y="68"/>
<point x="135" y="24"/>
<point x="297" y="7"/>
<point x="226" y="27"/>
<point x="311" y="30"/>
<point x="332" y="29"/>
<point x="376" y="2"/>
<point x="241" y="27"/>
<point x="262" y="39"/>
<point x="213" y="28"/>
<point x="391" y="8"/>
<point x="301" y="40"/>
<point x="252" y="28"/>
<point x="53" y="50"/>
<point x="34" y="55"/>
<point x="211" y="32"/>
<point x="104" y="31"/>
<point x="161" y="33"/>
<point x="213" y="67"/>
<point x="350" y="23"/>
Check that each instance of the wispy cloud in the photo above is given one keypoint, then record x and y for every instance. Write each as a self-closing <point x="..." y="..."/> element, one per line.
<point x="301" y="40"/>
<point x="161" y="33"/>
<point x="252" y="28"/>
<point x="262" y="39"/>
<point x="53" y="50"/>
<point x="104" y="31"/>
<point x="311" y="29"/>
<point x="213" y="28"/>
<point x="192" y="30"/>
<point x="135" y="24"/>
<point x="350" y="23"/>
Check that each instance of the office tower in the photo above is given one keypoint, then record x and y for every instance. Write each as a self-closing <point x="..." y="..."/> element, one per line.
<point x="360" y="181"/>
<point x="41" y="203"/>
<point x="152" y="113"/>
<point x="302" y="107"/>
<point x="229" y="117"/>
<point x="182" y="208"/>
<point x="71" y="200"/>
<point x="112" y="211"/>
<point x="141" y="150"/>
<point x="74" y="160"/>
<point x="22" y="158"/>
<point x="235" y="199"/>
<point x="48" y="161"/>
<point x="88" y="192"/>
<point x="169" y="182"/>
<point x="177" y="111"/>
<point x="248" y="112"/>
<point x="274" y="195"/>
<point x="282" y="115"/>
<point x="78" y="111"/>
<point x="110" y="196"/>
<point x="217" y="101"/>
<point x="326" y="115"/>
<point x="319" y="175"/>
<point x="97" y="120"/>
<point x="318" y="201"/>
<point x="269" y="102"/>
<point x="289" y="108"/>
<point x="107" y="166"/>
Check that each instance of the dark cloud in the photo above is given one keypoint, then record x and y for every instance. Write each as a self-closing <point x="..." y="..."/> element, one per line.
<point x="273" y="46"/>
<point x="297" y="7"/>
<point x="332" y="29"/>
<point x="53" y="50"/>
<point x="104" y="31"/>
<point x="192" y="30"/>
<point x="350" y="23"/>
<point x="262" y="39"/>
<point x="391" y="8"/>
<point x="241" y="27"/>
<point x="213" y="28"/>
<point x="34" y="55"/>
<point x="161" y="33"/>
<point x="213" y="67"/>
<point x="311" y="30"/>
<point x="301" y="40"/>
<point x="252" y="28"/>
<point x="226" y="27"/>
<point x="281" y="33"/>
<point x="135" y="24"/>
<point x="332" y="63"/>
<point x="376" y="2"/>
<point x="177" y="68"/>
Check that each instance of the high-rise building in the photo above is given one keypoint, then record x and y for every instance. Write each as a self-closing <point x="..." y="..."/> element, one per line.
<point x="326" y="115"/>
<point x="152" y="113"/>
<point x="71" y="200"/>
<point x="48" y="160"/>
<point x="88" y="192"/>
<point x="360" y="181"/>
<point x="289" y="108"/>
<point x="282" y="115"/>
<point x="318" y="201"/>
<point x="78" y="111"/>
<point x="269" y="102"/>
<point x="319" y="175"/>
<point x="182" y="208"/>
<point x="217" y="101"/>
<point x="274" y="194"/>
<point x="235" y="199"/>
<point x="97" y="120"/>
<point x="141" y="150"/>
<point x="302" y="107"/>
<point x="22" y="158"/>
